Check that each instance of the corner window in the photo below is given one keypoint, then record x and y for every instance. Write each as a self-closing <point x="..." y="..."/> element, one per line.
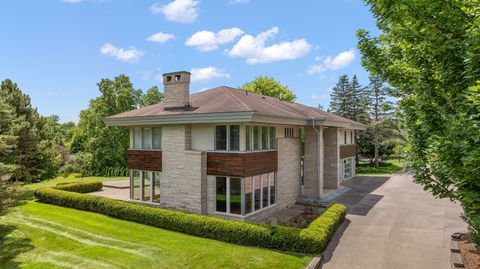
<point x="248" y="138"/>
<point x="157" y="138"/>
<point x="145" y="186"/>
<point x="221" y="194"/>
<point x="234" y="137"/>
<point x="146" y="138"/>
<point x="273" y="138"/>
<point x="137" y="138"/>
<point x="242" y="196"/>
<point x="264" y="137"/>
<point x="221" y="137"/>
<point x="256" y="134"/>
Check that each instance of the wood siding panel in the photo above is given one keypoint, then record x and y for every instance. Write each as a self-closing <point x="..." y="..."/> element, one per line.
<point x="241" y="164"/>
<point x="347" y="151"/>
<point x="149" y="160"/>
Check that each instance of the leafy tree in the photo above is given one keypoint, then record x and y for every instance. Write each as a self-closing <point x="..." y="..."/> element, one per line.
<point x="107" y="146"/>
<point x="430" y="52"/>
<point x="270" y="87"/>
<point x="153" y="96"/>
<point x="341" y="98"/>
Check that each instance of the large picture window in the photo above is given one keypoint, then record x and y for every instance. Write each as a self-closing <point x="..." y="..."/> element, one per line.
<point x="243" y="196"/>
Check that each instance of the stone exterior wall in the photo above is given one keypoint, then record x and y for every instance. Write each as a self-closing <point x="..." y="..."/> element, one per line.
<point x="313" y="168"/>
<point x="183" y="182"/>
<point x="331" y="158"/>
<point x="288" y="175"/>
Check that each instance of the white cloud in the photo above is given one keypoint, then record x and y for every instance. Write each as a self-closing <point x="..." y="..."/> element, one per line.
<point x="207" y="41"/>
<point x="160" y="37"/>
<point x="321" y="96"/>
<point x="253" y="48"/>
<point x="131" y="55"/>
<point x="206" y="74"/>
<point x="184" y="11"/>
<point x="233" y="2"/>
<point x="342" y="60"/>
<point x="55" y="93"/>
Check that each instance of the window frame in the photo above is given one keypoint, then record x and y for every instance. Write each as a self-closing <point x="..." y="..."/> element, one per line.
<point x="140" y="135"/>
<point x="227" y="144"/>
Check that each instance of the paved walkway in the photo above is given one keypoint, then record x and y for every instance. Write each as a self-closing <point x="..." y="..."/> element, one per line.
<point x="392" y="223"/>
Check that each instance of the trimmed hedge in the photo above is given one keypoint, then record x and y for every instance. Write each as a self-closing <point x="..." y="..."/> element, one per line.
<point x="312" y="239"/>
<point x="80" y="187"/>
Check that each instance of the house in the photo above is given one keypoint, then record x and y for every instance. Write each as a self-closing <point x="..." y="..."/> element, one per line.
<point x="232" y="153"/>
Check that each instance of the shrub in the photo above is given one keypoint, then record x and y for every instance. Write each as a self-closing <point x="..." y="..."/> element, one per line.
<point x="80" y="187"/>
<point x="80" y="163"/>
<point x="310" y="240"/>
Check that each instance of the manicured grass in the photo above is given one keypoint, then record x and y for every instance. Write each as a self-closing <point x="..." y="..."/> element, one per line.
<point x="46" y="236"/>
<point x="29" y="188"/>
<point x="386" y="167"/>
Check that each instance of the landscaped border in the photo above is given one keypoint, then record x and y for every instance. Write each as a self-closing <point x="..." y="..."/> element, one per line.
<point x="311" y="240"/>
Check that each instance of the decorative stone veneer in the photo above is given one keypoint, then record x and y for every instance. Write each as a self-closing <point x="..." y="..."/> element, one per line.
<point x="176" y="88"/>
<point x="183" y="182"/>
<point x="331" y="158"/>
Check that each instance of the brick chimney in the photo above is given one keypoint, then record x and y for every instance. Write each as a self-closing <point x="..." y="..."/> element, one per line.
<point x="176" y="89"/>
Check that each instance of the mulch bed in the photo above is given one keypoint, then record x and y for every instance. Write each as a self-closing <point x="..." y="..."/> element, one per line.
<point x="470" y="252"/>
<point x="302" y="220"/>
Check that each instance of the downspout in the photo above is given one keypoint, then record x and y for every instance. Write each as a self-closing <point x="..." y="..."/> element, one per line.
<point x="317" y="152"/>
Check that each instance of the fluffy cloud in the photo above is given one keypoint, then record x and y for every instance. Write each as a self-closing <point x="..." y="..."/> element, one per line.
<point x="233" y="2"/>
<point x="184" y="11"/>
<point x="207" y="41"/>
<point x="160" y="37"/>
<point x="342" y="60"/>
<point x="254" y="50"/>
<point x="131" y="55"/>
<point x="206" y="74"/>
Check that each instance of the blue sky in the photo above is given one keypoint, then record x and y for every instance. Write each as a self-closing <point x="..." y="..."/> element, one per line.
<point x="57" y="51"/>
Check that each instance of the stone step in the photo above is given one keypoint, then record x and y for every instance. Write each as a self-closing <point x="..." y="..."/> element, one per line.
<point x="457" y="260"/>
<point x="454" y="246"/>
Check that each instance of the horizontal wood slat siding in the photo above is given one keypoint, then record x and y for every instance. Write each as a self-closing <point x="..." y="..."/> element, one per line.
<point x="347" y="151"/>
<point x="241" y="164"/>
<point x="149" y="160"/>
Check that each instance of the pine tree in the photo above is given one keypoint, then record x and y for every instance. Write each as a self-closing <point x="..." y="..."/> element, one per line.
<point x="380" y="114"/>
<point x="341" y="98"/>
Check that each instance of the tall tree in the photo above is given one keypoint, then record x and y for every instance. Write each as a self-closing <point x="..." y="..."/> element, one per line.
<point x="430" y="51"/>
<point x="33" y="153"/>
<point x="270" y="87"/>
<point x="153" y="96"/>
<point x="108" y="146"/>
<point x="341" y="98"/>
<point x="380" y="113"/>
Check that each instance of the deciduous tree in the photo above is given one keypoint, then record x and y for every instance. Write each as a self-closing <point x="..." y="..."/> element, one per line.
<point x="270" y="87"/>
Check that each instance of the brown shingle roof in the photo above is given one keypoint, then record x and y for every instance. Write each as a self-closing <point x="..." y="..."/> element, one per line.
<point x="225" y="99"/>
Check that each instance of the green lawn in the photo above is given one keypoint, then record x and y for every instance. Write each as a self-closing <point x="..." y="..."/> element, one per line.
<point x="29" y="188"/>
<point x="386" y="167"/>
<point x="45" y="236"/>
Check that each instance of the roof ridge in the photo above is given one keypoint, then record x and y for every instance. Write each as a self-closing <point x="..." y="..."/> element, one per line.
<point x="236" y="99"/>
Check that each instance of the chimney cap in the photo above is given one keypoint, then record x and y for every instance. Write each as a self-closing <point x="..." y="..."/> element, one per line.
<point x="177" y="72"/>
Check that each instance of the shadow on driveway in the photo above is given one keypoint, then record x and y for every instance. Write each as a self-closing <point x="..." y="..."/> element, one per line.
<point x="359" y="200"/>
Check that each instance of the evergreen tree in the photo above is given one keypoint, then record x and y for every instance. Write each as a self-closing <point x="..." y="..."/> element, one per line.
<point x="341" y="98"/>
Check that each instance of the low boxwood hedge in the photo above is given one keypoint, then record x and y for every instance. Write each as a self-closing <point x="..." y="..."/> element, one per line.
<point x="312" y="239"/>
<point x="80" y="187"/>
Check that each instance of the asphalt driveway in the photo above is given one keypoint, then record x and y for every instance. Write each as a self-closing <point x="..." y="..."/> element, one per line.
<point x="392" y="223"/>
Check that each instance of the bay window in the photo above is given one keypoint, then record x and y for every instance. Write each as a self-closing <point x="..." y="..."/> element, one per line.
<point x="243" y="196"/>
